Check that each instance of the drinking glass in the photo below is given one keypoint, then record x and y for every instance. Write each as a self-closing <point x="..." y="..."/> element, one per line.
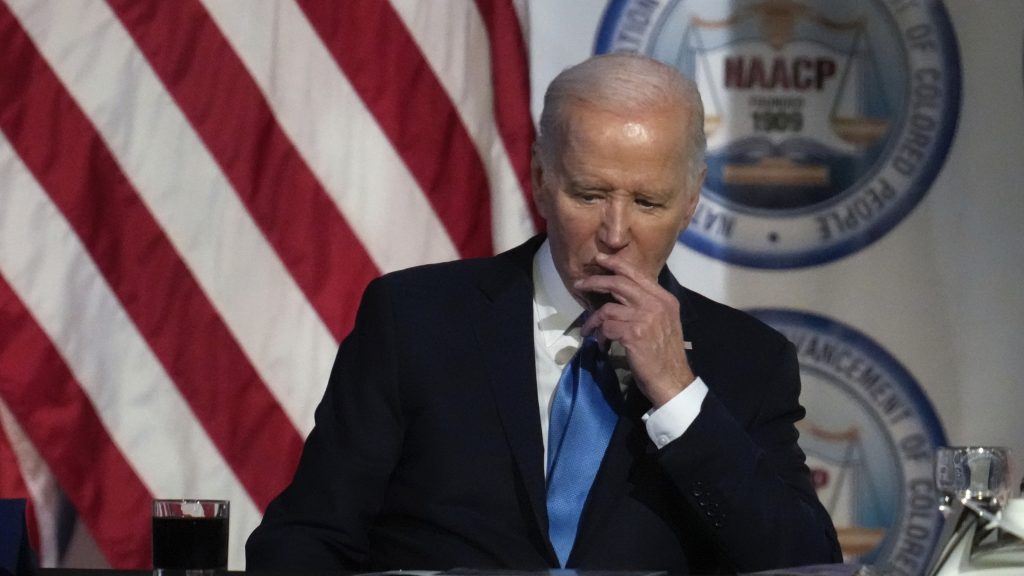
<point x="190" y="535"/>
<point x="979" y="473"/>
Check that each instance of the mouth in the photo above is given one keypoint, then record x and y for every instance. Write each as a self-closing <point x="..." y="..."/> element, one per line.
<point x="595" y="300"/>
<point x="594" y="269"/>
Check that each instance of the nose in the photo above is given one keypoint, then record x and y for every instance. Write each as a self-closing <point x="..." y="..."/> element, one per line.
<point x="614" y="234"/>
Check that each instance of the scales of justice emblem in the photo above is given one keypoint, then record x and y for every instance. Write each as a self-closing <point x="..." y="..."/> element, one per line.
<point x="869" y="437"/>
<point x="826" y="122"/>
<point x="846" y="485"/>
<point x="791" y="119"/>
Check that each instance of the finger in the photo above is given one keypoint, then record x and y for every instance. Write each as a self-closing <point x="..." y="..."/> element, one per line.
<point x="605" y="332"/>
<point x="606" y="289"/>
<point x="614" y="331"/>
<point x="610" y="311"/>
<point x="619" y="265"/>
<point x="623" y="267"/>
<point x="623" y="289"/>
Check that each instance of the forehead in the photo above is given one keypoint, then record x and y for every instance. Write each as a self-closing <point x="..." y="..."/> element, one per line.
<point x="665" y="127"/>
<point x="643" y="148"/>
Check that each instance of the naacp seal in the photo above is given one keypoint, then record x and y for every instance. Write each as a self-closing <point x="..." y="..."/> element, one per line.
<point x="870" y="438"/>
<point x="826" y="121"/>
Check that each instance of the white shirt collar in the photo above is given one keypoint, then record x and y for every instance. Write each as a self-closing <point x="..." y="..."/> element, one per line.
<point x="555" y="310"/>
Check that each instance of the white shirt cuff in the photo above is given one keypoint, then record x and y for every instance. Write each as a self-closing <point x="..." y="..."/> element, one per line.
<point x="669" y="422"/>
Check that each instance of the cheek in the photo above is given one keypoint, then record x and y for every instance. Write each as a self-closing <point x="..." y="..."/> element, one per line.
<point x="658" y="245"/>
<point x="576" y="231"/>
<point x="572" y="236"/>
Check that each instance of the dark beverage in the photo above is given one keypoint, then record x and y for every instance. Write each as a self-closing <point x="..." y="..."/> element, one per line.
<point x="190" y="543"/>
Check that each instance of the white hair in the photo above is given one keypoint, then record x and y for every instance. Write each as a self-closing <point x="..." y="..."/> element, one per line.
<point x="622" y="83"/>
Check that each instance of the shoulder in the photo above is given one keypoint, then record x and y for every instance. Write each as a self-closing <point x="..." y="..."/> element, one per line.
<point x="729" y="336"/>
<point x="440" y="274"/>
<point x="455" y="275"/>
<point x="718" y="317"/>
<point x="460" y="279"/>
<point x="747" y="363"/>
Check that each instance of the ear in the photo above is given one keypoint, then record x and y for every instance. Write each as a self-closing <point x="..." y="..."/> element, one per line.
<point x="698" y="185"/>
<point x="540" y="192"/>
<point x="694" y="198"/>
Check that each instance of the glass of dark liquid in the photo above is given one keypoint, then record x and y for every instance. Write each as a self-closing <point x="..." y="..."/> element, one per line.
<point x="190" y="535"/>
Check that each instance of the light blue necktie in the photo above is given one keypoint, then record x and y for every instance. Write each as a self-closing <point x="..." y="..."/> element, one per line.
<point x="583" y="416"/>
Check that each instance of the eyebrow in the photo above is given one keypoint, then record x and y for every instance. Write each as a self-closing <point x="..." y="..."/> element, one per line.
<point x="590" y="184"/>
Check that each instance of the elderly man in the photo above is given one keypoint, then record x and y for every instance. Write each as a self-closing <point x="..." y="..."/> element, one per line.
<point x="462" y="428"/>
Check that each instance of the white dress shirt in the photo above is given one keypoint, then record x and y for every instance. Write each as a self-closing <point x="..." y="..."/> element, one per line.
<point x="555" y="341"/>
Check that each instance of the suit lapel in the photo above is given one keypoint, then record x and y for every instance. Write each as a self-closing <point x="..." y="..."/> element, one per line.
<point x="505" y="331"/>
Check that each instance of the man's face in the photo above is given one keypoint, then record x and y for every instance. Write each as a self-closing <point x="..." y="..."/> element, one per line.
<point x="620" y="186"/>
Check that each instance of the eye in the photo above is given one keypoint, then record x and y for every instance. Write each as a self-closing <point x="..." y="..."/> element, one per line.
<point x="587" y="195"/>
<point x="646" y="203"/>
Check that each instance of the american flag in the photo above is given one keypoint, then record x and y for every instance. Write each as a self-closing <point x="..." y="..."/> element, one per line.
<point x="193" y="196"/>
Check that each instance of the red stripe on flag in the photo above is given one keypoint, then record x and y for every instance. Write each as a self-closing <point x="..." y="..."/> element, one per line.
<point x="383" y="62"/>
<point x="155" y="287"/>
<point x="62" y="423"/>
<point x="511" y="78"/>
<point x="227" y="109"/>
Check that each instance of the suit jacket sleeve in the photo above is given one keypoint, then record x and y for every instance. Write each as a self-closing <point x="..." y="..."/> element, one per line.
<point x="320" y="520"/>
<point x="739" y="465"/>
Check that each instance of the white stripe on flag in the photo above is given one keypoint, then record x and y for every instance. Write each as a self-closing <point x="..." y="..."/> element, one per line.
<point x="42" y="486"/>
<point x="462" y="63"/>
<point x="52" y="273"/>
<point x="188" y="194"/>
<point x="341" y="143"/>
<point x="522" y="8"/>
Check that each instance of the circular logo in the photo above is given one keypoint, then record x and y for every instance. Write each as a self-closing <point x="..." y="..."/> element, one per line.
<point x="870" y="438"/>
<point x="826" y="121"/>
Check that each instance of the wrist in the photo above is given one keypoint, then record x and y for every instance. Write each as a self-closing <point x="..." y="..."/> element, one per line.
<point x="661" y="392"/>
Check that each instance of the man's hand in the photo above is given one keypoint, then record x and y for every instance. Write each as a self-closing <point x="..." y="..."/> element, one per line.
<point x="644" y="318"/>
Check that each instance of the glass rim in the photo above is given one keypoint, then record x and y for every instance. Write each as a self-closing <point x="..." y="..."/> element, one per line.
<point x="200" y="500"/>
<point x="190" y="508"/>
<point x="972" y="448"/>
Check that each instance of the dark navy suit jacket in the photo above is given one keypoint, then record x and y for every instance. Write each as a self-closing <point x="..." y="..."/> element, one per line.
<point x="427" y="451"/>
